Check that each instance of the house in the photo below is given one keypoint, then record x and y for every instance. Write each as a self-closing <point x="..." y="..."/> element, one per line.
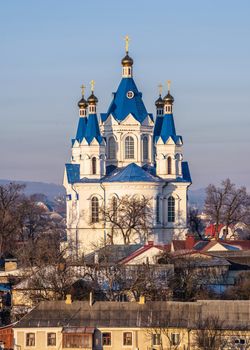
<point x="120" y="325"/>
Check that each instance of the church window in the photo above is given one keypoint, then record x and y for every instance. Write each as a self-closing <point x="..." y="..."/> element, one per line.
<point x="171" y="209"/>
<point x="129" y="147"/>
<point x="130" y="94"/>
<point x="169" y="165"/>
<point x="158" y="210"/>
<point x="95" y="209"/>
<point x="145" y="147"/>
<point x="94" y="165"/>
<point x="112" y="148"/>
<point x="114" y="208"/>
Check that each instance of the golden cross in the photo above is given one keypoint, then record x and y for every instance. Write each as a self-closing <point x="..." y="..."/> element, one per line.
<point x="169" y="83"/>
<point x="92" y="84"/>
<point x="127" y="40"/>
<point x="83" y="88"/>
<point x="160" y="89"/>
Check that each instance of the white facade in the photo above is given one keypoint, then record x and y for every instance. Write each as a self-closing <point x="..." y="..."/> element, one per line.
<point x="132" y="142"/>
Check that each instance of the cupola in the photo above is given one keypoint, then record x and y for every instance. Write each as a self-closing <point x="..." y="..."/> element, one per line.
<point x="168" y="101"/>
<point x="159" y="103"/>
<point x="92" y="100"/>
<point x="82" y="104"/>
<point x="127" y="62"/>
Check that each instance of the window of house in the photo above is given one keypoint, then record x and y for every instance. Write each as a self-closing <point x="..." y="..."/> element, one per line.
<point x="127" y="338"/>
<point x="95" y="209"/>
<point x="129" y="147"/>
<point x="76" y="341"/>
<point x="171" y="209"/>
<point x="169" y="165"/>
<point x="145" y="147"/>
<point x="106" y="338"/>
<point x="130" y="94"/>
<point x="156" y="339"/>
<point x="114" y="208"/>
<point x="30" y="339"/>
<point x="112" y="148"/>
<point x="158" y="210"/>
<point x="51" y="339"/>
<point x="94" y="165"/>
<point x="175" y="338"/>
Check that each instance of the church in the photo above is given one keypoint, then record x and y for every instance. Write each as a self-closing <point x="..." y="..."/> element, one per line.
<point x="125" y="151"/>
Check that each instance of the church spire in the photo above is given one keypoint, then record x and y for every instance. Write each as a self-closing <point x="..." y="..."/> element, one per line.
<point x="82" y="104"/>
<point x="168" y="101"/>
<point x="127" y="61"/>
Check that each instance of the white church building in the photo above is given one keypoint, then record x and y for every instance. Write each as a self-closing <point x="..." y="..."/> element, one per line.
<point x="126" y="151"/>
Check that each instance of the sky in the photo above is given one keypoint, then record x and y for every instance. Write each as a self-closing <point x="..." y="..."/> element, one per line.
<point x="49" y="48"/>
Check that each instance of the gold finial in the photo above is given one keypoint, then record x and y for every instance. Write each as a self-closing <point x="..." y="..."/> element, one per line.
<point x="160" y="89"/>
<point x="169" y="83"/>
<point x="92" y="84"/>
<point x="83" y="89"/>
<point x="127" y="40"/>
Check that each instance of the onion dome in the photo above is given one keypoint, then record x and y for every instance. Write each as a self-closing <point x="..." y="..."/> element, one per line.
<point x="168" y="99"/>
<point x="127" y="61"/>
<point x="159" y="102"/>
<point x="93" y="100"/>
<point x="82" y="103"/>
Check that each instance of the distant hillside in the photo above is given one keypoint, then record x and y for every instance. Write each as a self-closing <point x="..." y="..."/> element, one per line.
<point x="48" y="189"/>
<point x="197" y="197"/>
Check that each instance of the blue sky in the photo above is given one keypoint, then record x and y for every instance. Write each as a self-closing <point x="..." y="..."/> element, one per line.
<point x="48" y="48"/>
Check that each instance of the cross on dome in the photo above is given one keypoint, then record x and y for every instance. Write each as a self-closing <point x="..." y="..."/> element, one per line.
<point x="127" y="40"/>
<point x="92" y="84"/>
<point x="83" y="89"/>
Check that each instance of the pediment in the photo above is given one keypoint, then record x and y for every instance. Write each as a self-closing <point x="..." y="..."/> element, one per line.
<point x="130" y="119"/>
<point x="160" y="141"/>
<point x="170" y="141"/>
<point x="110" y="120"/>
<point x="84" y="142"/>
<point x="94" y="142"/>
<point x="147" y="121"/>
<point x="76" y="144"/>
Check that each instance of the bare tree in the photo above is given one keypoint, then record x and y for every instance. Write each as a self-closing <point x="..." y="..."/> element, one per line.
<point x="209" y="334"/>
<point x="130" y="217"/>
<point x="10" y="198"/>
<point x="227" y="204"/>
<point x="195" y="223"/>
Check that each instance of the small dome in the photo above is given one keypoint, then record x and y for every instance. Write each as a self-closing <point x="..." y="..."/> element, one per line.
<point x="82" y="103"/>
<point x="127" y="61"/>
<point x="159" y="102"/>
<point x="168" y="99"/>
<point x="92" y="99"/>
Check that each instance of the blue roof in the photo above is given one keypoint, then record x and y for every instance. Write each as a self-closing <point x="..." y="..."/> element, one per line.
<point x="73" y="172"/>
<point x="121" y="105"/>
<point x="165" y="128"/>
<point x="185" y="172"/>
<point x="158" y="126"/>
<point x="81" y="128"/>
<point x="92" y="129"/>
<point x="131" y="173"/>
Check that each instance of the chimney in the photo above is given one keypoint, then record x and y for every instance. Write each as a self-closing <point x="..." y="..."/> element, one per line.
<point x="68" y="300"/>
<point x="190" y="241"/>
<point x="90" y="299"/>
<point x="142" y="300"/>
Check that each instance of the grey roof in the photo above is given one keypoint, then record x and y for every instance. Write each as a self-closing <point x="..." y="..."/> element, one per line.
<point x="232" y="314"/>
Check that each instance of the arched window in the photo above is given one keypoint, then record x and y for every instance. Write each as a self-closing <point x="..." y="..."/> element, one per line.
<point x="114" y="208"/>
<point x="158" y="210"/>
<point x="145" y="147"/>
<point x="112" y="148"/>
<point x="171" y="209"/>
<point x="94" y="210"/>
<point x="129" y="147"/>
<point x="169" y="165"/>
<point x="94" y="165"/>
